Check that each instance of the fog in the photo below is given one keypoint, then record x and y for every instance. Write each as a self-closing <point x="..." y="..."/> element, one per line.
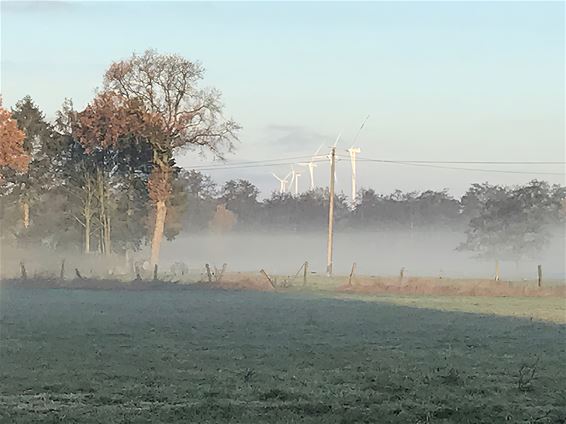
<point x="384" y="253"/>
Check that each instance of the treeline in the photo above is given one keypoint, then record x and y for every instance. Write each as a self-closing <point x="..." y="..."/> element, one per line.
<point x="105" y="180"/>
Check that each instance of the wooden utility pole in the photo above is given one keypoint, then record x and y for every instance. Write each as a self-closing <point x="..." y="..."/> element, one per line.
<point x="330" y="244"/>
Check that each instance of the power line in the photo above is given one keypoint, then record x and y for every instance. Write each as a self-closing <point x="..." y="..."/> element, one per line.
<point x="259" y="164"/>
<point x="225" y="163"/>
<point x="473" y="169"/>
<point x="460" y="162"/>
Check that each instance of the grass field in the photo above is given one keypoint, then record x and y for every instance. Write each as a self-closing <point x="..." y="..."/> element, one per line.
<point x="200" y="355"/>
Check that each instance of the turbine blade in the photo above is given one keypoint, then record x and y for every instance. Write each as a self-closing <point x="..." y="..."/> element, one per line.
<point x="337" y="139"/>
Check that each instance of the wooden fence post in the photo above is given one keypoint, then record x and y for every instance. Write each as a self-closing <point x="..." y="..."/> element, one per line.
<point x="305" y="273"/>
<point x="352" y="274"/>
<point x="539" y="275"/>
<point x="262" y="271"/>
<point x="62" y="272"/>
<point x="208" y="273"/>
<point x="79" y="276"/>
<point x="23" y="271"/>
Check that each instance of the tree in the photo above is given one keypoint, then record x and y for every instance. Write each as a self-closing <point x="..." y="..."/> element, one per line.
<point x="12" y="153"/>
<point x="112" y="128"/>
<point x="201" y="199"/>
<point x="240" y="197"/>
<point x="515" y="226"/>
<point x="223" y="220"/>
<point x="179" y="114"/>
<point x="477" y="196"/>
<point x="40" y="147"/>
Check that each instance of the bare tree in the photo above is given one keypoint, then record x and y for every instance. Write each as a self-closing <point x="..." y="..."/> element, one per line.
<point x="179" y="114"/>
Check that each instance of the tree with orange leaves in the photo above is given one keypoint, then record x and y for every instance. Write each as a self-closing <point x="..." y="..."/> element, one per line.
<point x="107" y="129"/>
<point x="178" y="114"/>
<point x="12" y="154"/>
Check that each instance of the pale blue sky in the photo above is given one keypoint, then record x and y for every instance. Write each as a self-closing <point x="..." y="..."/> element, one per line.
<point x="441" y="81"/>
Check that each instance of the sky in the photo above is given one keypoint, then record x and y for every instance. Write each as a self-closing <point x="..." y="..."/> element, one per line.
<point x="440" y="81"/>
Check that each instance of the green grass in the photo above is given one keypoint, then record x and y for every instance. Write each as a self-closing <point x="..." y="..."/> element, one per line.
<point x="203" y="356"/>
<point x="552" y="309"/>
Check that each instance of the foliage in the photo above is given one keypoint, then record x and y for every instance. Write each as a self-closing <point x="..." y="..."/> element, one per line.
<point x="12" y="153"/>
<point x="515" y="223"/>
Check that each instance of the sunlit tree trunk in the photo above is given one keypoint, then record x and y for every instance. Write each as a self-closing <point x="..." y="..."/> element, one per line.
<point x="160" y="214"/>
<point x="87" y="231"/>
<point x="159" y="185"/>
<point x="87" y="214"/>
<point x="105" y="243"/>
<point x="25" y="213"/>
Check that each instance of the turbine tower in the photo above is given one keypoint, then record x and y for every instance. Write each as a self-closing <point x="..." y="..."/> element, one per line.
<point x="353" y="152"/>
<point x="294" y="179"/>
<point x="297" y="175"/>
<point x="282" y="183"/>
<point x="311" y="165"/>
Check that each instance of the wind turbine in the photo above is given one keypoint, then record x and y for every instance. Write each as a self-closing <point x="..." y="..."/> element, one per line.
<point x="294" y="179"/>
<point x="311" y="165"/>
<point x="353" y="151"/>
<point x="282" y="183"/>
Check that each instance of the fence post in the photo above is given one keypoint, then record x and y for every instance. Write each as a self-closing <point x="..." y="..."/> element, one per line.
<point x="208" y="273"/>
<point x="539" y="275"/>
<point x="305" y="273"/>
<point x="62" y="272"/>
<point x="23" y="271"/>
<point x="352" y="274"/>
<point x="262" y="271"/>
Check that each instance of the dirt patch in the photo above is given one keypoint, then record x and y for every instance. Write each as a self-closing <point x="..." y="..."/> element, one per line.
<point x="241" y="281"/>
<point x="451" y="287"/>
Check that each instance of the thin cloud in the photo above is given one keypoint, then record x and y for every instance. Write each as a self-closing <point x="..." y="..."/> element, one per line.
<point x="37" y="6"/>
<point x="295" y="136"/>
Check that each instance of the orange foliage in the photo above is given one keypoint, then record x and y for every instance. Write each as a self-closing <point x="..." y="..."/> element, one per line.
<point x="109" y="118"/>
<point x="223" y="219"/>
<point x="12" y="154"/>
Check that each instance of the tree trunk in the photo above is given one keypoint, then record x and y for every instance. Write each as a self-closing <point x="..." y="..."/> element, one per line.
<point x="108" y="240"/>
<point x="25" y="213"/>
<point x="160" y="213"/>
<point x="87" y="231"/>
<point x="104" y="236"/>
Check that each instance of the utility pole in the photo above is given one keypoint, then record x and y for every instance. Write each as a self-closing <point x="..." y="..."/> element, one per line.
<point x="330" y="244"/>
